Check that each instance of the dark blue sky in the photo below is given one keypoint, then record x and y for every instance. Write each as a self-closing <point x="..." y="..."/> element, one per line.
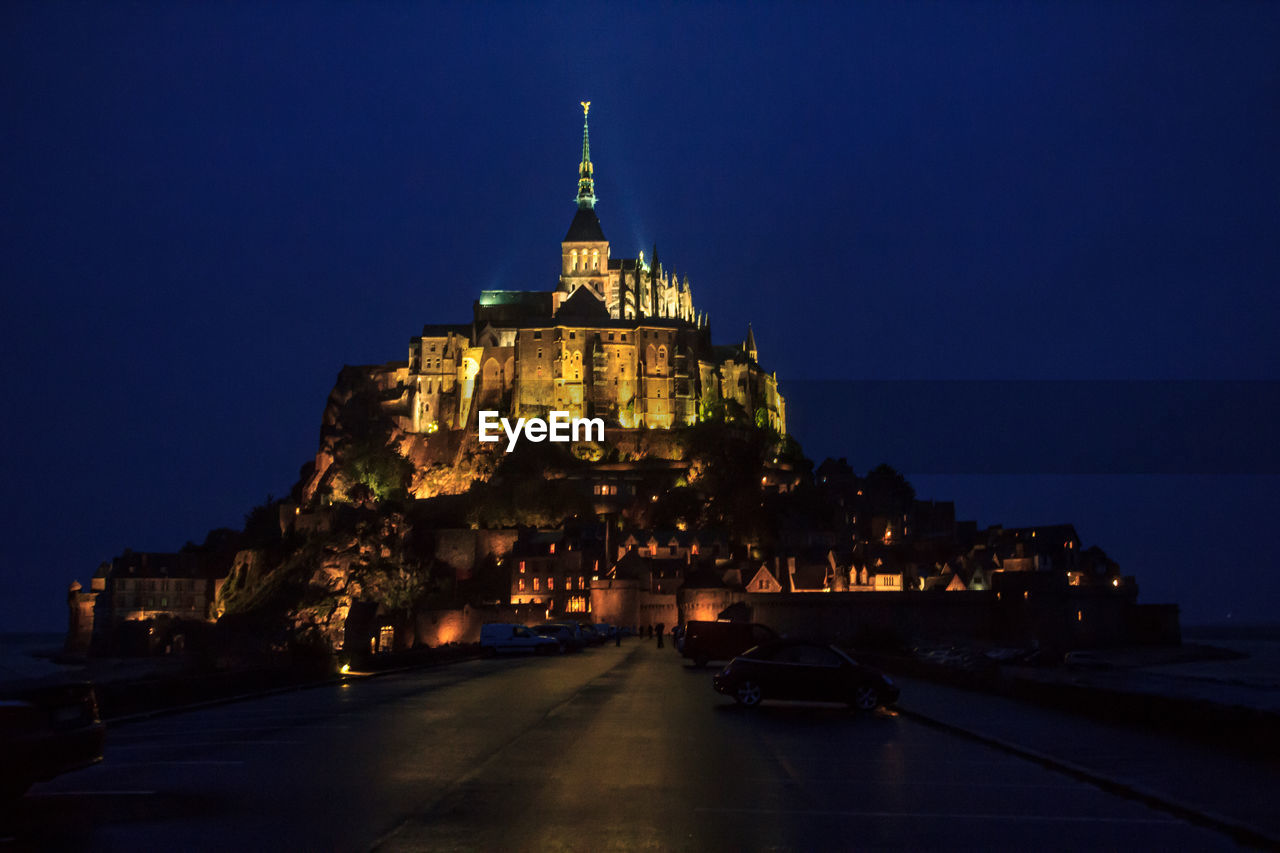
<point x="209" y="208"/>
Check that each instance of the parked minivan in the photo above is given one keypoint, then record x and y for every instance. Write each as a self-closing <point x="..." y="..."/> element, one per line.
<point x="500" y="637"/>
<point x="708" y="641"/>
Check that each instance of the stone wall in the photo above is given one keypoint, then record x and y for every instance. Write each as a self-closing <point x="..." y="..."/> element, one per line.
<point x="1054" y="621"/>
<point x="439" y="627"/>
<point x="463" y="547"/>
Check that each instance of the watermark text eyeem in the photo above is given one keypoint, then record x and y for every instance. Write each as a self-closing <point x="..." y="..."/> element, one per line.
<point x="558" y="427"/>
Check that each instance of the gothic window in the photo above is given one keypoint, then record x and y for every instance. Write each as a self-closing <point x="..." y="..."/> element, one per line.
<point x="595" y="259"/>
<point x="573" y="260"/>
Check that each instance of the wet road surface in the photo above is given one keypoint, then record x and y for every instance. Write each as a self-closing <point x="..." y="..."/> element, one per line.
<point x="610" y="749"/>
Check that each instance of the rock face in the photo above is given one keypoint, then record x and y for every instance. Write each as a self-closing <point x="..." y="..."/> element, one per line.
<point x="363" y="443"/>
<point x="367" y="451"/>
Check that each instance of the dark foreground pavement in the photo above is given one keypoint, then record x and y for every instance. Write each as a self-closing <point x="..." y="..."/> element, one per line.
<point x="614" y="748"/>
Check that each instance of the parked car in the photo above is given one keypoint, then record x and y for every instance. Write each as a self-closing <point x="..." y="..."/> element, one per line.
<point x="590" y="634"/>
<point x="606" y="630"/>
<point x="503" y="637"/>
<point x="46" y="729"/>
<point x="793" y="669"/>
<point x="568" y="635"/>
<point x="708" y="641"/>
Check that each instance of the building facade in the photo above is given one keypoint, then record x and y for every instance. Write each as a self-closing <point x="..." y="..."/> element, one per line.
<point x="618" y="338"/>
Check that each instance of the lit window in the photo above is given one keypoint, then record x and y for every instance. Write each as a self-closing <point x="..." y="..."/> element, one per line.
<point x="521" y="587"/>
<point x="522" y="567"/>
<point x="581" y="583"/>
<point x="551" y="584"/>
<point x="537" y="585"/>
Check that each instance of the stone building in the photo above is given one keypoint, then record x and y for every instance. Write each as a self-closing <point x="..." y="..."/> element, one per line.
<point x="137" y="587"/>
<point x="617" y="338"/>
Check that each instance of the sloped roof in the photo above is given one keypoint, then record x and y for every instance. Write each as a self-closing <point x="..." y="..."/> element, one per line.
<point x="809" y="576"/>
<point x="630" y="567"/>
<point x="703" y="578"/>
<point x="585" y="227"/>
<point x="585" y="304"/>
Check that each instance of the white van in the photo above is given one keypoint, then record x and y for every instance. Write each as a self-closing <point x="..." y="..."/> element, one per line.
<point x="500" y="637"/>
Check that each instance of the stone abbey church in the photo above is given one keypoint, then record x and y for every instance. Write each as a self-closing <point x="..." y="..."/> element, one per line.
<point x="617" y="338"/>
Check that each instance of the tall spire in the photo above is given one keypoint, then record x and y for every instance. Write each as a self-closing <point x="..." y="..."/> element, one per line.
<point x="586" y="179"/>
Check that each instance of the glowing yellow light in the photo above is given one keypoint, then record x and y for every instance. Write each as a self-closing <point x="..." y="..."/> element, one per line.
<point x="1115" y="581"/>
<point x="346" y="667"/>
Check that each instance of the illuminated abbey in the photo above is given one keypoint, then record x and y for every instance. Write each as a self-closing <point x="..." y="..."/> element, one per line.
<point x="617" y="338"/>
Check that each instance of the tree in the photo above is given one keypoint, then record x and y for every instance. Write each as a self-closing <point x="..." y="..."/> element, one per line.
<point x="262" y="525"/>
<point x="371" y="463"/>
<point x="887" y="493"/>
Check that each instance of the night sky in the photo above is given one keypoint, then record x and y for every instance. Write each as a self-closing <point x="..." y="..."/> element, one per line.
<point x="208" y="209"/>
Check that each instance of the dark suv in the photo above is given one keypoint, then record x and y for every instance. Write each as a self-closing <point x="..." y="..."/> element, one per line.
<point x="790" y="669"/>
<point x="708" y="641"/>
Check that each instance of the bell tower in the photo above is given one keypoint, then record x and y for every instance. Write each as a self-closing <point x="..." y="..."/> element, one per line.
<point x="584" y="252"/>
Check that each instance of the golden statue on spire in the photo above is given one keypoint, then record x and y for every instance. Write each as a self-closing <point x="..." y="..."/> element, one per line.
<point x="586" y="107"/>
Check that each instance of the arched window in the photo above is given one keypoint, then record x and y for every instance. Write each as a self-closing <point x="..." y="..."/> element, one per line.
<point x="573" y="259"/>
<point x="662" y="355"/>
<point x="595" y="259"/>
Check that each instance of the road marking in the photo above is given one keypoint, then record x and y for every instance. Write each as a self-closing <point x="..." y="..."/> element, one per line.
<point x="877" y="785"/>
<point x="182" y="744"/>
<point x="194" y="761"/>
<point x="204" y="731"/>
<point x="945" y="815"/>
<point x="92" y="794"/>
